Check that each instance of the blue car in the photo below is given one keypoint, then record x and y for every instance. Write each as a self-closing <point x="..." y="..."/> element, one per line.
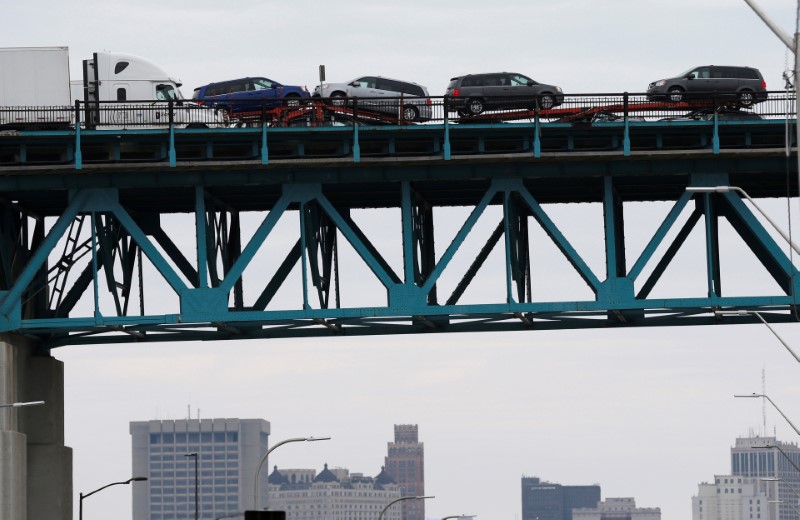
<point x="248" y="94"/>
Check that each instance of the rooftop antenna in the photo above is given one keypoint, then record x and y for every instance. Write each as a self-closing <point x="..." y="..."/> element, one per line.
<point x="188" y="412"/>
<point x="764" y="399"/>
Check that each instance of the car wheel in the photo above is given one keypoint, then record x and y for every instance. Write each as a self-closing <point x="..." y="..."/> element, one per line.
<point x="337" y="99"/>
<point x="197" y="125"/>
<point x="675" y="95"/>
<point x="547" y="101"/>
<point x="410" y="113"/>
<point x="475" y="106"/>
<point x="746" y="98"/>
<point x="292" y="100"/>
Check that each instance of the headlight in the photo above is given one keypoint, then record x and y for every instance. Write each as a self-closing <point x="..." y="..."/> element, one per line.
<point x="661" y="82"/>
<point x="558" y="89"/>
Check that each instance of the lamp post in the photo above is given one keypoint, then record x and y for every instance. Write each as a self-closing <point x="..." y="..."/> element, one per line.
<point x="760" y="317"/>
<point x="19" y="405"/>
<point x="380" y="516"/>
<point x="264" y="459"/>
<point x="196" y="499"/>
<point x="765" y="396"/>
<point x="87" y="495"/>
<point x="794" y="45"/>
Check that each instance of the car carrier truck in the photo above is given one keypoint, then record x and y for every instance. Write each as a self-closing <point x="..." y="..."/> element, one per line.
<point x="116" y="91"/>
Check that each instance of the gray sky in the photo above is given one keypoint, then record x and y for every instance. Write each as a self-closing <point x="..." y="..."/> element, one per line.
<point x="645" y="413"/>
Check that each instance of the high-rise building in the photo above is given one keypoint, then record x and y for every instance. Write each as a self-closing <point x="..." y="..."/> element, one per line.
<point x="405" y="464"/>
<point x="549" y="501"/>
<point x="333" y="494"/>
<point x="617" y="509"/>
<point x="228" y="453"/>
<point x="734" y="497"/>
<point x="763" y="483"/>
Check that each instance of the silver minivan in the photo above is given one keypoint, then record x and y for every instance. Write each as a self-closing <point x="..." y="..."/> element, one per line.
<point x="409" y="101"/>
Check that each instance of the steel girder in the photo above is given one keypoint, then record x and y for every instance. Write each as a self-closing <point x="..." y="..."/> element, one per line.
<point x="42" y="283"/>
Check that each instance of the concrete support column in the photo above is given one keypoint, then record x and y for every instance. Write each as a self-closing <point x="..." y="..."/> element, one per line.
<point x="35" y="466"/>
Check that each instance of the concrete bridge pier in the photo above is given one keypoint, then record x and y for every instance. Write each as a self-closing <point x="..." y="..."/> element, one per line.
<point x="35" y="466"/>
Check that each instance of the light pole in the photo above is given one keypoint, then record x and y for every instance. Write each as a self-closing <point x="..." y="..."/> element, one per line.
<point x="19" y="405"/>
<point x="726" y="189"/>
<point x="760" y="317"/>
<point x="794" y="45"/>
<point x="87" y="495"/>
<point x="380" y="516"/>
<point x="196" y="499"/>
<point x="765" y="396"/>
<point x="264" y="459"/>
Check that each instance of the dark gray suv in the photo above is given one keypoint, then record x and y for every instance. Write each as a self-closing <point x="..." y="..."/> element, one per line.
<point x="744" y="83"/>
<point x="474" y="93"/>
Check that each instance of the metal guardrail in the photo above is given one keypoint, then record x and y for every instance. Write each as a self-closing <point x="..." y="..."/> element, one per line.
<point x="573" y="109"/>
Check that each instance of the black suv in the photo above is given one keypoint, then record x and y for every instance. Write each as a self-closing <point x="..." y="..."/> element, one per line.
<point x="474" y="93"/>
<point x="709" y="81"/>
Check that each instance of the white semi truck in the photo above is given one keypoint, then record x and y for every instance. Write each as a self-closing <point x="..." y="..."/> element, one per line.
<point x="116" y="91"/>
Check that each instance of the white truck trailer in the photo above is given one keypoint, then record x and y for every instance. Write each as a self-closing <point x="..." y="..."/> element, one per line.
<point x="117" y="91"/>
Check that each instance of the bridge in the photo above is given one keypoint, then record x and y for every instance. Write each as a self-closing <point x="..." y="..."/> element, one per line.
<point x="298" y="209"/>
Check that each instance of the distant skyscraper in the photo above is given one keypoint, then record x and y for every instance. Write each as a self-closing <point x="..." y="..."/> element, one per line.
<point x="617" y="509"/>
<point x="332" y="495"/>
<point x="548" y="501"/>
<point x="744" y="494"/>
<point x="734" y="497"/>
<point x="229" y="451"/>
<point x="405" y="464"/>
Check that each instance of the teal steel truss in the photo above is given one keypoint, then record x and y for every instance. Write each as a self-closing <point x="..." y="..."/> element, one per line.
<point x="256" y="249"/>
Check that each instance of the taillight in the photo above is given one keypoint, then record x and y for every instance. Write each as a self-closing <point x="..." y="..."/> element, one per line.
<point x="763" y="84"/>
<point x="455" y="92"/>
<point x="199" y="102"/>
<point x="428" y="101"/>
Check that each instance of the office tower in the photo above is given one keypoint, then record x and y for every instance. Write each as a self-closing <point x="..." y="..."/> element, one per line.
<point x="549" y="501"/>
<point x="617" y="509"/>
<point x="333" y="494"/>
<point x="763" y="484"/>
<point x="228" y="453"/>
<point x="734" y="497"/>
<point x="405" y="464"/>
<point x="750" y="457"/>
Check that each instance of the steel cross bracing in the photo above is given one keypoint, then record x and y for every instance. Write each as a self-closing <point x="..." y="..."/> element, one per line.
<point x="95" y="257"/>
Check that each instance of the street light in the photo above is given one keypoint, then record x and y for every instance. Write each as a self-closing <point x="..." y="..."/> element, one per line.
<point x="765" y="396"/>
<point x="264" y="459"/>
<point x="196" y="503"/>
<point x="19" y="405"/>
<point x="380" y="516"/>
<point x="726" y="189"/>
<point x="794" y="45"/>
<point x="87" y="495"/>
<point x="760" y="317"/>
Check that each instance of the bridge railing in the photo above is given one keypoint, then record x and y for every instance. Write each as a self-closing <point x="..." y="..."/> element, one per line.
<point x="545" y="109"/>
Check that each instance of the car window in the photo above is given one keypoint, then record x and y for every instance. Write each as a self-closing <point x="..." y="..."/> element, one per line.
<point x="519" y="79"/>
<point x="165" y="92"/>
<point x="387" y="84"/>
<point x="743" y="72"/>
<point x="701" y="73"/>
<point x="453" y="83"/>
<point x="366" y="82"/>
<point x="724" y="72"/>
<point x="493" y="80"/>
<point x="262" y="84"/>
<point x="472" y="81"/>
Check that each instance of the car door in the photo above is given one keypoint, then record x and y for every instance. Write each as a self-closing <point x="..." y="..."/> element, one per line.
<point x="388" y="91"/>
<point x="496" y="89"/>
<point x="364" y="89"/>
<point x="700" y="80"/>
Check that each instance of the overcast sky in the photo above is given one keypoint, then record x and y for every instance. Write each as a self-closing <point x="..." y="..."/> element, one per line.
<point x="644" y="413"/>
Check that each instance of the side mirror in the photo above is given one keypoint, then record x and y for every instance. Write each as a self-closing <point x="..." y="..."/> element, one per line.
<point x="353" y="84"/>
<point x="689" y="76"/>
<point x="531" y="83"/>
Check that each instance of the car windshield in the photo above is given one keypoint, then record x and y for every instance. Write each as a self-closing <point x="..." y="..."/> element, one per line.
<point x="519" y="79"/>
<point x="263" y="84"/>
